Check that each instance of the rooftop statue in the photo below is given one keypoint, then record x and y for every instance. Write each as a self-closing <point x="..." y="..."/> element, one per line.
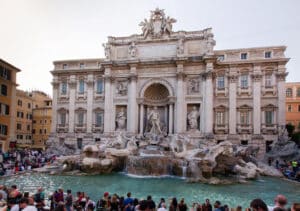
<point x="158" y="24"/>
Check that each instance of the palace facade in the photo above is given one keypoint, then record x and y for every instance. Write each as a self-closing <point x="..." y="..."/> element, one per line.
<point x="165" y="83"/>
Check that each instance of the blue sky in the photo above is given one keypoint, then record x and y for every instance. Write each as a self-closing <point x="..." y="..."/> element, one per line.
<point x="34" y="33"/>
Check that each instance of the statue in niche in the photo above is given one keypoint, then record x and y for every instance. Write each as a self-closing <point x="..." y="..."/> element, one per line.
<point x="193" y="118"/>
<point x="107" y="50"/>
<point x="122" y="88"/>
<point x="121" y="119"/>
<point x="154" y="121"/>
<point x="132" y="50"/>
<point x="193" y="86"/>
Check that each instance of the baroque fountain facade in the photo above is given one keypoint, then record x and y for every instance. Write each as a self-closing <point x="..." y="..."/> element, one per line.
<point x="165" y="102"/>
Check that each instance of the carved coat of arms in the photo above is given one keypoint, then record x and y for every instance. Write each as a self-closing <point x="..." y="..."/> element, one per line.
<point x="158" y="24"/>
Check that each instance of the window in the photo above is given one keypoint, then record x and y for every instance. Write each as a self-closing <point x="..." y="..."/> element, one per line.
<point x="3" y="90"/>
<point x="28" y="127"/>
<point x="99" y="119"/>
<point x="63" y="118"/>
<point x="244" y="55"/>
<point x="41" y="131"/>
<point x="29" y="105"/>
<point x="64" y="88"/>
<point x="244" y="142"/>
<point x="221" y="82"/>
<point x="221" y="58"/>
<point x="33" y="131"/>
<point x="20" y="103"/>
<point x="3" y="129"/>
<point x="289" y="92"/>
<point x="298" y="92"/>
<point x="289" y="108"/>
<point x="269" y="146"/>
<point x="99" y="85"/>
<point x="268" y="80"/>
<point x="4" y="73"/>
<point x="81" y="65"/>
<point x="34" y="121"/>
<point x="4" y="109"/>
<point x="80" y="116"/>
<point x="268" y="54"/>
<point x="269" y="117"/>
<point x="45" y="131"/>
<point x="298" y="108"/>
<point x="19" y="126"/>
<point x="244" y="117"/>
<point x="244" y="81"/>
<point x="45" y="121"/>
<point x="81" y="86"/>
<point x="220" y="118"/>
<point x="65" y="66"/>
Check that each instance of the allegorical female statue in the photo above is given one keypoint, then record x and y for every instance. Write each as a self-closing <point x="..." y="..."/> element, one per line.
<point x="121" y="119"/>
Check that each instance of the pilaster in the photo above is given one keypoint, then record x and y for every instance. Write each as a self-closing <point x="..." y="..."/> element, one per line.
<point x="257" y="78"/>
<point x="89" y="109"/>
<point x="232" y="78"/>
<point x="72" y="92"/>
<point x="54" y="106"/>
<point x="281" y="96"/>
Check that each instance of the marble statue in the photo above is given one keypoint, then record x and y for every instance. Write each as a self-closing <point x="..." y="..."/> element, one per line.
<point x="132" y="50"/>
<point x="193" y="118"/>
<point x="107" y="50"/>
<point x="121" y="119"/>
<point x="121" y="88"/>
<point x="146" y="27"/>
<point x="154" y="120"/>
<point x="180" y="48"/>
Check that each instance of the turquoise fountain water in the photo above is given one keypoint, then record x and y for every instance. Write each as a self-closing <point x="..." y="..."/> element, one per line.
<point x="233" y="195"/>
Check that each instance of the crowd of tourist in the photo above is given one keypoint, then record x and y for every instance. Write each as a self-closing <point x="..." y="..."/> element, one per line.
<point x="13" y="200"/>
<point x="15" y="161"/>
<point x="290" y="169"/>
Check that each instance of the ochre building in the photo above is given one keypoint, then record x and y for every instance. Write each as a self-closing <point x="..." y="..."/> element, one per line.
<point x="8" y="86"/>
<point x="292" y="91"/>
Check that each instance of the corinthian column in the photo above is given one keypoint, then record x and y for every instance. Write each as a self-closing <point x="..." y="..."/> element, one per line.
<point x="132" y="104"/>
<point x="107" y="101"/>
<point x="180" y="107"/>
<point x="208" y="99"/>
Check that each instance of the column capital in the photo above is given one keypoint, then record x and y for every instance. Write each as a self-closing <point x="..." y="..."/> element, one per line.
<point x="281" y="76"/>
<point x="207" y="75"/>
<point x="256" y="77"/>
<point x="181" y="75"/>
<point x="133" y="77"/>
<point x="55" y="84"/>
<point x="72" y="84"/>
<point x="232" y="78"/>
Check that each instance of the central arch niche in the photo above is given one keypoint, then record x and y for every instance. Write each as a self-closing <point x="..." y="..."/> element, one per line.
<point x="156" y="93"/>
<point x="156" y="99"/>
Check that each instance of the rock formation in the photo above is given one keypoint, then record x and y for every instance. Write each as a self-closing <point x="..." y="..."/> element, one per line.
<point x="178" y="155"/>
